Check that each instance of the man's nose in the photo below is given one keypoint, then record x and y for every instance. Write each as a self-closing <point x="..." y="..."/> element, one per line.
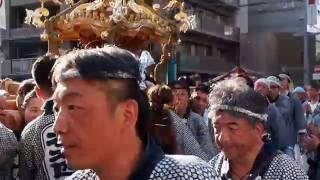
<point x="223" y="137"/>
<point x="60" y="125"/>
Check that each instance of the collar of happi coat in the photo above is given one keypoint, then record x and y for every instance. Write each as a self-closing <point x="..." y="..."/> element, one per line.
<point x="260" y="166"/>
<point x="152" y="155"/>
<point x="48" y="106"/>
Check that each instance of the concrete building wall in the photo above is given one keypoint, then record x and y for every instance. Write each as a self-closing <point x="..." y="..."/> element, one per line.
<point x="291" y="55"/>
<point x="275" y="38"/>
<point x="276" y="16"/>
<point x="290" y="50"/>
<point x="271" y="53"/>
<point x="258" y="53"/>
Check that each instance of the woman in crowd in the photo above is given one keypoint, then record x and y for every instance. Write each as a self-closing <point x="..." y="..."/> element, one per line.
<point x="161" y="125"/>
<point x="13" y="118"/>
<point x="31" y="106"/>
<point x="25" y="87"/>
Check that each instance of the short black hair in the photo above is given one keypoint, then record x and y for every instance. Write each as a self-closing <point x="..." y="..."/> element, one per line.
<point x="159" y="95"/>
<point x="41" y="72"/>
<point x="32" y="94"/>
<point x="180" y="84"/>
<point x="103" y="65"/>
<point x="24" y="88"/>
<point x="203" y="88"/>
<point x="97" y="64"/>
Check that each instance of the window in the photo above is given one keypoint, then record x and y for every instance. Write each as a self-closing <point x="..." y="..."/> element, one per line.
<point x="215" y="52"/>
<point x="27" y="49"/>
<point x="185" y="49"/>
<point x="208" y="51"/>
<point x="20" y="67"/>
<point x="18" y="14"/>
<point x="193" y="50"/>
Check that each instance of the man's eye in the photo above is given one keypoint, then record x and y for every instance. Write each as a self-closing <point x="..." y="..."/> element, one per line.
<point x="231" y="128"/>
<point x="35" y="110"/>
<point x="56" y="109"/>
<point x="71" y="107"/>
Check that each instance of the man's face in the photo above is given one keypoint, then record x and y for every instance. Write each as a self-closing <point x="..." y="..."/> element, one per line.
<point x="274" y="91"/>
<point x="312" y="93"/>
<point x="181" y="99"/>
<point x="284" y="84"/>
<point x="301" y="96"/>
<point x="235" y="136"/>
<point x="262" y="89"/>
<point x="87" y="128"/>
<point x="199" y="102"/>
<point x="33" y="109"/>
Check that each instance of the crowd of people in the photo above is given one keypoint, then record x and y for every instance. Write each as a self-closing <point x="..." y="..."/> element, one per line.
<point x="84" y="115"/>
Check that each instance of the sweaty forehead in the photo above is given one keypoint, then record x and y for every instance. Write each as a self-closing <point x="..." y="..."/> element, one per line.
<point x="222" y="117"/>
<point x="68" y="90"/>
<point x="179" y="90"/>
<point x="59" y="92"/>
<point x="202" y="94"/>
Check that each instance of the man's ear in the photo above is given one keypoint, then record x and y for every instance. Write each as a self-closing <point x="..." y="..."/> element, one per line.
<point x="128" y="111"/>
<point x="260" y="129"/>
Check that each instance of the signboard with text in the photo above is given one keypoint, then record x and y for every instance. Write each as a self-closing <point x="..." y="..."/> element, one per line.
<point x="3" y="22"/>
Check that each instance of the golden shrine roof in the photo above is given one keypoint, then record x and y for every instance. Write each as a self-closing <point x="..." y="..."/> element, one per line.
<point x="130" y="24"/>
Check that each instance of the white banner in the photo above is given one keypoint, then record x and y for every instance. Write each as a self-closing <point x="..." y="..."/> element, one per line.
<point x="313" y="17"/>
<point x="3" y="22"/>
<point x="54" y="161"/>
<point x="312" y="12"/>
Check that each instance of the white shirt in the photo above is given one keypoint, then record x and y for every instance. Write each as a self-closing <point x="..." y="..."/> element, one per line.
<point x="313" y="106"/>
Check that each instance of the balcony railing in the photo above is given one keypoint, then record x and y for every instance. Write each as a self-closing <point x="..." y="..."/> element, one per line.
<point x="234" y="3"/>
<point x="23" y="2"/>
<point x="25" y="32"/>
<point x="210" y="65"/>
<point x="21" y="33"/>
<point x="21" y="66"/>
<point x="219" y="30"/>
<point x="212" y="4"/>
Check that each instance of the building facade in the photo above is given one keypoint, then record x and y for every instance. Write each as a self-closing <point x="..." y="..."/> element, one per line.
<point x="213" y="47"/>
<point x="20" y="43"/>
<point x="275" y="38"/>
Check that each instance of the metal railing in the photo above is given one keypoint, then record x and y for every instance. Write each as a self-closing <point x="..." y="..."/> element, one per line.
<point x="19" y="66"/>
<point x="219" y="30"/>
<point x="23" y="2"/>
<point x="231" y="2"/>
<point x="210" y="64"/>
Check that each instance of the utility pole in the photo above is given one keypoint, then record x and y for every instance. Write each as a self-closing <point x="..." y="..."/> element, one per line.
<point x="306" y="63"/>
